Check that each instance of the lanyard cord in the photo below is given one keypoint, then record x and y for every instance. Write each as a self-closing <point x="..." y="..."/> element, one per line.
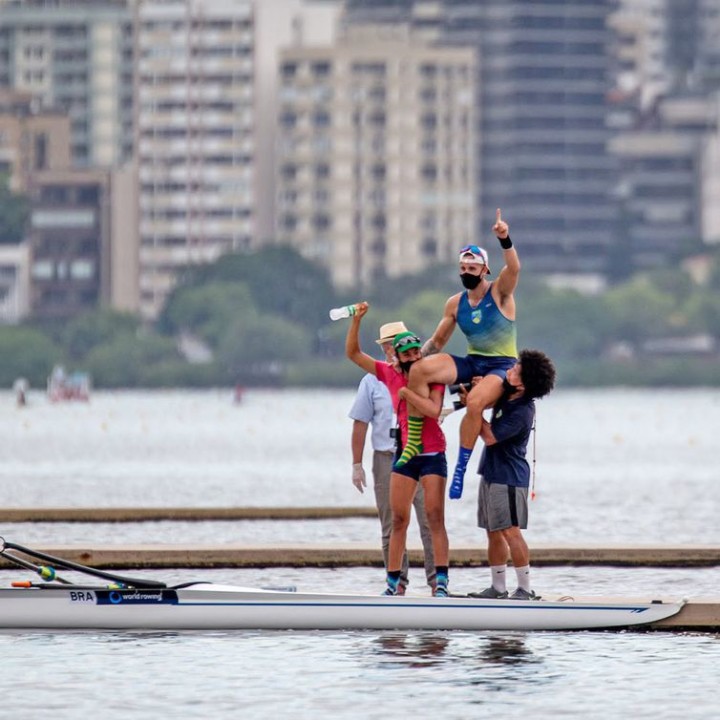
<point x="533" y="430"/>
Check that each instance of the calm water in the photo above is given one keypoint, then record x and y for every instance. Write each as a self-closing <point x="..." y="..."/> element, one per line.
<point x="612" y="466"/>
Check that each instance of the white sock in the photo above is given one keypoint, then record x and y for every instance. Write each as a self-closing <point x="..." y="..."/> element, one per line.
<point x="523" y="577"/>
<point x="498" y="577"/>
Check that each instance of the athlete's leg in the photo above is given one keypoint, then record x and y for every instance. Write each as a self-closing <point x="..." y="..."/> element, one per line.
<point x="484" y="394"/>
<point x="520" y="555"/>
<point x="498" y="553"/>
<point x="433" y="369"/>
<point x="438" y="368"/>
<point x="402" y="492"/>
<point x="519" y="551"/>
<point x="434" y="490"/>
<point x="498" y="548"/>
<point x="382" y="470"/>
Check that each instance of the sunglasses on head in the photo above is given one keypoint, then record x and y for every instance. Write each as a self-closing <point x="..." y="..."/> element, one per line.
<point x="475" y="249"/>
<point x="410" y="339"/>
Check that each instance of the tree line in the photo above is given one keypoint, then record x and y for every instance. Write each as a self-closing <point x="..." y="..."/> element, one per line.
<point x="262" y="319"/>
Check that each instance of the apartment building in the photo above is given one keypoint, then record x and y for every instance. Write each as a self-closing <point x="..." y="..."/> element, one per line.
<point x="195" y="120"/>
<point x="376" y="153"/>
<point x="77" y="56"/>
<point x="69" y="240"/>
<point x="32" y="138"/>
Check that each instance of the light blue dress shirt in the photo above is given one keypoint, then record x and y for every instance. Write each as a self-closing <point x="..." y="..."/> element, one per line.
<point x="373" y="405"/>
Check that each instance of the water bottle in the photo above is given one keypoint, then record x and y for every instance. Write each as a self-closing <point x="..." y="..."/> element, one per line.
<point x="343" y="312"/>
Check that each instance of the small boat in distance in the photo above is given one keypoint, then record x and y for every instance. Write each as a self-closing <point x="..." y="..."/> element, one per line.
<point x="63" y="387"/>
<point x="132" y="603"/>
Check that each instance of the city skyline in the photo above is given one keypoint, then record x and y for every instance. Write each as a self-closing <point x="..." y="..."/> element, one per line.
<point x="593" y="124"/>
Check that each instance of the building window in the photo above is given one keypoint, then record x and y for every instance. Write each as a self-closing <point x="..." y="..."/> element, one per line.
<point x="289" y="222"/>
<point x="321" y="69"/>
<point x="43" y="270"/>
<point x="429" y="173"/>
<point x="41" y="151"/>
<point x="321" y="119"/>
<point x="429" y="247"/>
<point x="63" y="218"/>
<point x="379" y="248"/>
<point x="321" y="222"/>
<point x="288" y="70"/>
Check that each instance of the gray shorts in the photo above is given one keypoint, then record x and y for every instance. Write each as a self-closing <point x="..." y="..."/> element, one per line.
<point x="502" y="506"/>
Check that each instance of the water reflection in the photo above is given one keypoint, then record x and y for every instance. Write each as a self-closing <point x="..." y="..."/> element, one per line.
<point x="481" y="660"/>
<point x="413" y="649"/>
<point x="507" y="651"/>
<point x="425" y="649"/>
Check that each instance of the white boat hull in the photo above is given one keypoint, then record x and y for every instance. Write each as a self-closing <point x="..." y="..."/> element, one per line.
<point x="220" y="607"/>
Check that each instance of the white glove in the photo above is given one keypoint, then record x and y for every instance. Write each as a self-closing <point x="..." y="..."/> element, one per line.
<point x="358" y="477"/>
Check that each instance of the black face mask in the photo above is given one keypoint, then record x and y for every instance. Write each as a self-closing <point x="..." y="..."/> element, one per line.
<point x="470" y="281"/>
<point x="406" y="365"/>
<point x="508" y="389"/>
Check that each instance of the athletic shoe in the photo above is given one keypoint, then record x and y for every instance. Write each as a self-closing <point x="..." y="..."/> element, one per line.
<point x="489" y="593"/>
<point x="521" y="594"/>
<point x="401" y="590"/>
<point x="441" y="591"/>
<point x="390" y="591"/>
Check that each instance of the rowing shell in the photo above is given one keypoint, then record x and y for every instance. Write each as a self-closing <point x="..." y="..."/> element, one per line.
<point x="205" y="606"/>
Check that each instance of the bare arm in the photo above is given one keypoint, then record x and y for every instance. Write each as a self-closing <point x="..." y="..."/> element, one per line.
<point x="508" y="277"/>
<point x="444" y="329"/>
<point x="352" y="342"/>
<point x="430" y="406"/>
<point x="357" y="440"/>
<point x="486" y="433"/>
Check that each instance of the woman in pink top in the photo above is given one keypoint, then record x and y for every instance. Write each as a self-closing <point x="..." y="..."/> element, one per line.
<point x="428" y="468"/>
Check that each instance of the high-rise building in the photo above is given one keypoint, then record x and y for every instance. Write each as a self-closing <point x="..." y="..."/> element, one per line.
<point x="376" y="172"/>
<point x="77" y="56"/>
<point x="195" y="147"/>
<point x="640" y="53"/>
<point x="667" y="129"/>
<point x="277" y="23"/>
<point x="665" y="46"/>
<point x="544" y="75"/>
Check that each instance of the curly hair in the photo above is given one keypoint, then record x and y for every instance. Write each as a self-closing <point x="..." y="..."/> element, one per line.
<point x="537" y="372"/>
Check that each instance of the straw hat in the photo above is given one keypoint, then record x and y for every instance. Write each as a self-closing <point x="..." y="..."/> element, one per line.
<point x="388" y="331"/>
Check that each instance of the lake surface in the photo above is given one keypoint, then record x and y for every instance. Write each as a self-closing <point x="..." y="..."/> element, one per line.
<point x="613" y="466"/>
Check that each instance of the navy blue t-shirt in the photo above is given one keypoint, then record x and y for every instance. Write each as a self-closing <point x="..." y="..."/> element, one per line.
<point x="505" y="462"/>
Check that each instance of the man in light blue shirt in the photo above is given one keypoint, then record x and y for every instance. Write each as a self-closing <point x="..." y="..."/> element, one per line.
<point x="373" y="406"/>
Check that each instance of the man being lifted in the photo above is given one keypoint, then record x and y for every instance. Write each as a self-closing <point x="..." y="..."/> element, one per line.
<point x="485" y="312"/>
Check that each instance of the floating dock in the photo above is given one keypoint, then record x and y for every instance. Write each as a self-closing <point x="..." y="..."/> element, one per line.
<point x="357" y="555"/>
<point x="184" y="514"/>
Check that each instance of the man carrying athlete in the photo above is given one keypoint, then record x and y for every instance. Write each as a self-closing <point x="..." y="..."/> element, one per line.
<point x="505" y="473"/>
<point x="485" y="312"/>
